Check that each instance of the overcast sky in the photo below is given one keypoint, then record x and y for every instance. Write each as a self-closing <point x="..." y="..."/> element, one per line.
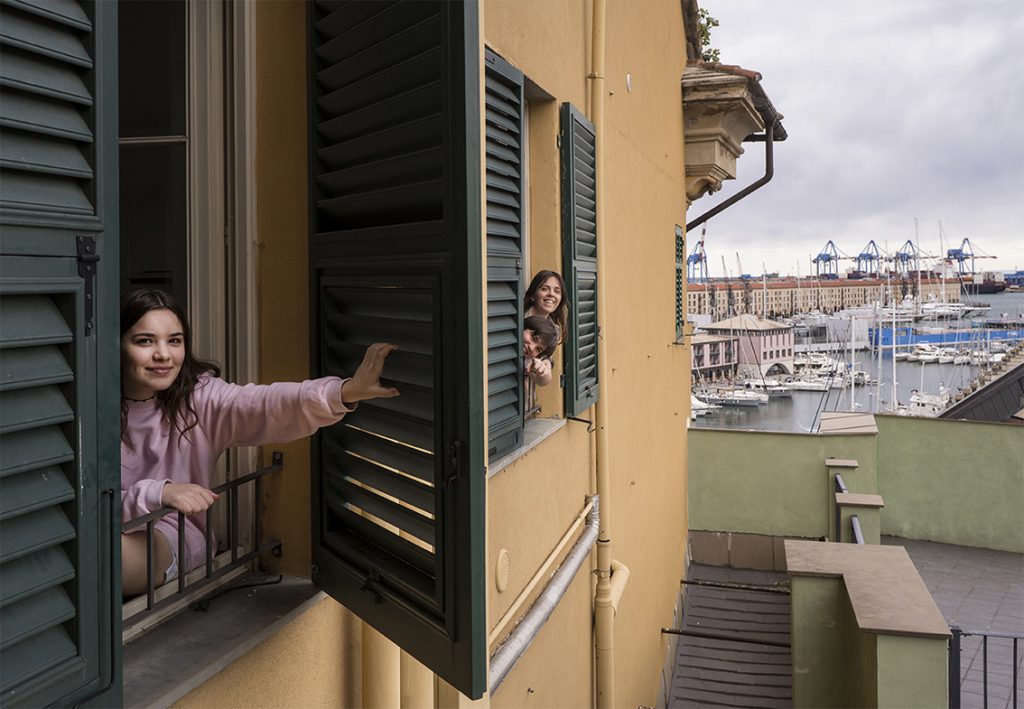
<point x="895" y="111"/>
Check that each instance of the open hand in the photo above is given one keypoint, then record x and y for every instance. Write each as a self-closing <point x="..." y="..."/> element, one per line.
<point x="188" y="497"/>
<point x="365" y="383"/>
<point x="538" y="369"/>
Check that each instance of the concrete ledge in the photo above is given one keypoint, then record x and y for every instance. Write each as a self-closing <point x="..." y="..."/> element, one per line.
<point x="170" y="661"/>
<point x="854" y="499"/>
<point x="886" y="593"/>
<point x="535" y="431"/>
<point x="841" y="463"/>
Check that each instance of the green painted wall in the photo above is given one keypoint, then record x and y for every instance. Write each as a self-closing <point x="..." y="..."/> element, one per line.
<point x="956" y="482"/>
<point x="837" y="665"/>
<point x="770" y="483"/>
<point x="912" y="672"/>
<point x="817" y="625"/>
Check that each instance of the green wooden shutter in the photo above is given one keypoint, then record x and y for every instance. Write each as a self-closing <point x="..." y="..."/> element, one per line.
<point x="680" y="282"/>
<point x="579" y="254"/>
<point x="59" y="391"/>
<point x="398" y="528"/>
<point x="504" y="121"/>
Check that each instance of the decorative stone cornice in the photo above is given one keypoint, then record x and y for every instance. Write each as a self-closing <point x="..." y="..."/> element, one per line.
<point x="718" y="112"/>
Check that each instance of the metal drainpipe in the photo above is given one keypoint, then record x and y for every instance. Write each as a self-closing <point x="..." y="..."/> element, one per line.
<point x="604" y="611"/>
<point x="769" y="171"/>
<point x="506" y="656"/>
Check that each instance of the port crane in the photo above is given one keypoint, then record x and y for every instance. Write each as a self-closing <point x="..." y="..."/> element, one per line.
<point x="961" y="256"/>
<point x="870" y="258"/>
<point x="908" y="258"/>
<point x="697" y="263"/>
<point x="828" y="261"/>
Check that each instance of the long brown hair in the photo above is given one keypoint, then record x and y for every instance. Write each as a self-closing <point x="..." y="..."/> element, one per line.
<point x="176" y="400"/>
<point x="560" y="316"/>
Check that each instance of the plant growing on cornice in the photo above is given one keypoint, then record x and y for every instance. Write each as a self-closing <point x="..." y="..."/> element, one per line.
<point x="708" y="54"/>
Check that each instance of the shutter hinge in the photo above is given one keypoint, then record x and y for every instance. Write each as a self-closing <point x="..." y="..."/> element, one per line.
<point x="519" y="266"/>
<point x="371" y="583"/>
<point x="558" y="140"/>
<point x="561" y="381"/>
<point x="87" y="259"/>
<point x="453" y="460"/>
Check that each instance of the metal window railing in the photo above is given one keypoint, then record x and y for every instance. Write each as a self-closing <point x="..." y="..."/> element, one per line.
<point x="530" y="405"/>
<point x="216" y="565"/>
<point x="955" y="677"/>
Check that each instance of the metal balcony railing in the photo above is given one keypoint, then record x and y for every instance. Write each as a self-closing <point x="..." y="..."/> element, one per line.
<point x="191" y="582"/>
<point x="956" y="678"/>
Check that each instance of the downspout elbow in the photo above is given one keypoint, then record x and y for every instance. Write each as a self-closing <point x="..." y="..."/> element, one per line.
<point x="620" y="577"/>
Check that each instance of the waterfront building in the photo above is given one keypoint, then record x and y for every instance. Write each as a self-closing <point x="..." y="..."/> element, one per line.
<point x="714" y="357"/>
<point x="786" y="297"/>
<point x="765" y="347"/>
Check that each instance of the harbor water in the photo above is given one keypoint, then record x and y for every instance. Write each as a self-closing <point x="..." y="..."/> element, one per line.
<point x="801" y="412"/>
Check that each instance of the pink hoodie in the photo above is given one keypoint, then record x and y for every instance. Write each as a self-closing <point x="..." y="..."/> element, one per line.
<point x="228" y="415"/>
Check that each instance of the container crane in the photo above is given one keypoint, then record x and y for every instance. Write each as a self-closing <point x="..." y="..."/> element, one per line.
<point x="869" y="260"/>
<point x="826" y="263"/>
<point x="697" y="264"/>
<point x="962" y="254"/>
<point x="908" y="258"/>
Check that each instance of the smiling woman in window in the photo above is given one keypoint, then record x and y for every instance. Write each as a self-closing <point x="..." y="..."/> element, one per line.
<point x="546" y="298"/>
<point x="178" y="416"/>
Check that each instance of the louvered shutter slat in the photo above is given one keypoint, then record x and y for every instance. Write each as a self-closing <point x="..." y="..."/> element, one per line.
<point x="66" y="12"/>
<point x="24" y="409"/>
<point x="44" y="155"/>
<point x="33" y="490"/>
<point x="27" y="576"/>
<point x="32" y="366"/>
<point x="33" y="449"/>
<point x="31" y="532"/>
<point x="35" y="655"/>
<point x="51" y="41"/>
<point x="35" y="615"/>
<point x="37" y="115"/>
<point x="35" y="75"/>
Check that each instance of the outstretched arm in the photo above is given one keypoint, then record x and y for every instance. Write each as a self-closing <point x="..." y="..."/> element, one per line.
<point x="232" y="415"/>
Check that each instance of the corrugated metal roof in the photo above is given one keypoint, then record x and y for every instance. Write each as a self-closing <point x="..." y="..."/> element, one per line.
<point x="998" y="401"/>
<point x="736" y="652"/>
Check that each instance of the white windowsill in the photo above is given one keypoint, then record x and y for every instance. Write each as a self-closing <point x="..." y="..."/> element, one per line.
<point x="535" y="431"/>
<point x="170" y="661"/>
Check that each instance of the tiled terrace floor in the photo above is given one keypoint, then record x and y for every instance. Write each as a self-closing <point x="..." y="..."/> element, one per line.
<point x="981" y="590"/>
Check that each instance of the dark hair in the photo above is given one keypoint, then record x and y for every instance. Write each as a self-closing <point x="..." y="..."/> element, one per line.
<point x="544" y="330"/>
<point x="176" y="400"/>
<point x="561" y="314"/>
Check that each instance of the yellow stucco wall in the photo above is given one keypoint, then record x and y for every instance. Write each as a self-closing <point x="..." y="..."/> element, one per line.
<point x="311" y="662"/>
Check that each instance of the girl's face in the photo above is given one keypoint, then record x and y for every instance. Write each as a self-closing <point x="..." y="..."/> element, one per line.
<point x="548" y="296"/>
<point x="151" y="354"/>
